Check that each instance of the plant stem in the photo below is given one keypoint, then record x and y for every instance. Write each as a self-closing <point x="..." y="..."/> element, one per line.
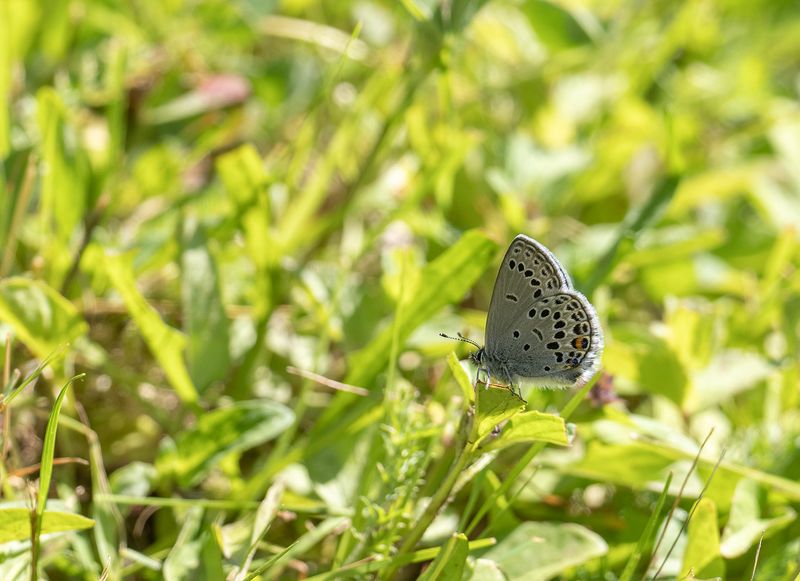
<point x="436" y="503"/>
<point x="526" y="459"/>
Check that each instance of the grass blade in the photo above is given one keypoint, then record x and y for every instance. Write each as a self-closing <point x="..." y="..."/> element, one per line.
<point x="647" y="535"/>
<point x="46" y="471"/>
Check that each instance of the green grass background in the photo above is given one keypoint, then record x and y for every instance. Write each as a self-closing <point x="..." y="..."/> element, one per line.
<point x="199" y="198"/>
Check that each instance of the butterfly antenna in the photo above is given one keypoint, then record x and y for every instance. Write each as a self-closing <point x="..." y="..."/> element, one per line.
<point x="461" y="338"/>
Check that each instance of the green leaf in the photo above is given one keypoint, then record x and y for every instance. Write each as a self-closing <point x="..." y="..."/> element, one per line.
<point x="637" y="221"/>
<point x="205" y="322"/>
<point x="46" y="466"/>
<point x="628" y="465"/>
<point x="245" y="178"/>
<point x="301" y="546"/>
<point x="15" y="523"/>
<point x="539" y="550"/>
<point x="485" y="570"/>
<point x="729" y="373"/>
<point x="39" y="315"/>
<point x="263" y="521"/>
<point x="63" y="188"/>
<point x="638" y="356"/>
<point x="494" y="405"/>
<point x="449" y="563"/>
<point x="744" y="526"/>
<point x="555" y="27"/>
<point x="166" y="343"/>
<point x="211" y="559"/>
<point x="14" y="391"/>
<point x="443" y="282"/>
<point x="533" y="426"/>
<point x="702" y="554"/>
<point x="241" y="426"/>
<point x="461" y="377"/>
<point x="646" y="538"/>
<point x="184" y="559"/>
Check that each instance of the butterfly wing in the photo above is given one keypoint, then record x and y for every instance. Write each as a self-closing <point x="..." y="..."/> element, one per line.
<point x="538" y="327"/>
<point x="557" y="341"/>
<point x="529" y="271"/>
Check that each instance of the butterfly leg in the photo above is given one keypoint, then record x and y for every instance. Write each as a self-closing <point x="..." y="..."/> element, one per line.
<point x="512" y="387"/>
<point x="486" y="376"/>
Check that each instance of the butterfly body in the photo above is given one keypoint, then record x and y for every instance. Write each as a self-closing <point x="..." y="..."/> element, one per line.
<point x="539" y="329"/>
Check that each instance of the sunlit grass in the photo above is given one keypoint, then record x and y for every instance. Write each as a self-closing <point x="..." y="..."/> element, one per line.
<point x="245" y="226"/>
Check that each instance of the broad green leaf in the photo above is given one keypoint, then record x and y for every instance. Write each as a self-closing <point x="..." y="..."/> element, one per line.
<point x="449" y="563"/>
<point x="745" y="527"/>
<point x="555" y="27"/>
<point x="15" y="523"/>
<point x="494" y="405"/>
<point x="533" y="426"/>
<point x="205" y="321"/>
<point x="702" y="544"/>
<point x="647" y="361"/>
<point x="643" y="464"/>
<point x="485" y="570"/>
<point x="673" y="244"/>
<point x="540" y="550"/>
<point x="238" y="427"/>
<point x="39" y="315"/>
<point x="692" y="324"/>
<point x="166" y="343"/>
<point x="621" y="426"/>
<point x="628" y="465"/>
<point x="729" y="373"/>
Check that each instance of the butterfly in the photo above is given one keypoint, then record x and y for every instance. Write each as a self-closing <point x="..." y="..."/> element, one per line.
<point x="539" y="329"/>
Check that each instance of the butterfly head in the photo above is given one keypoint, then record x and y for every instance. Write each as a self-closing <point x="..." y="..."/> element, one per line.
<point x="477" y="356"/>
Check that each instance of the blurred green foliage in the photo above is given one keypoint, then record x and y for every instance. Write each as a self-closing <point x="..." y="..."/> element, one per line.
<point x="201" y="202"/>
